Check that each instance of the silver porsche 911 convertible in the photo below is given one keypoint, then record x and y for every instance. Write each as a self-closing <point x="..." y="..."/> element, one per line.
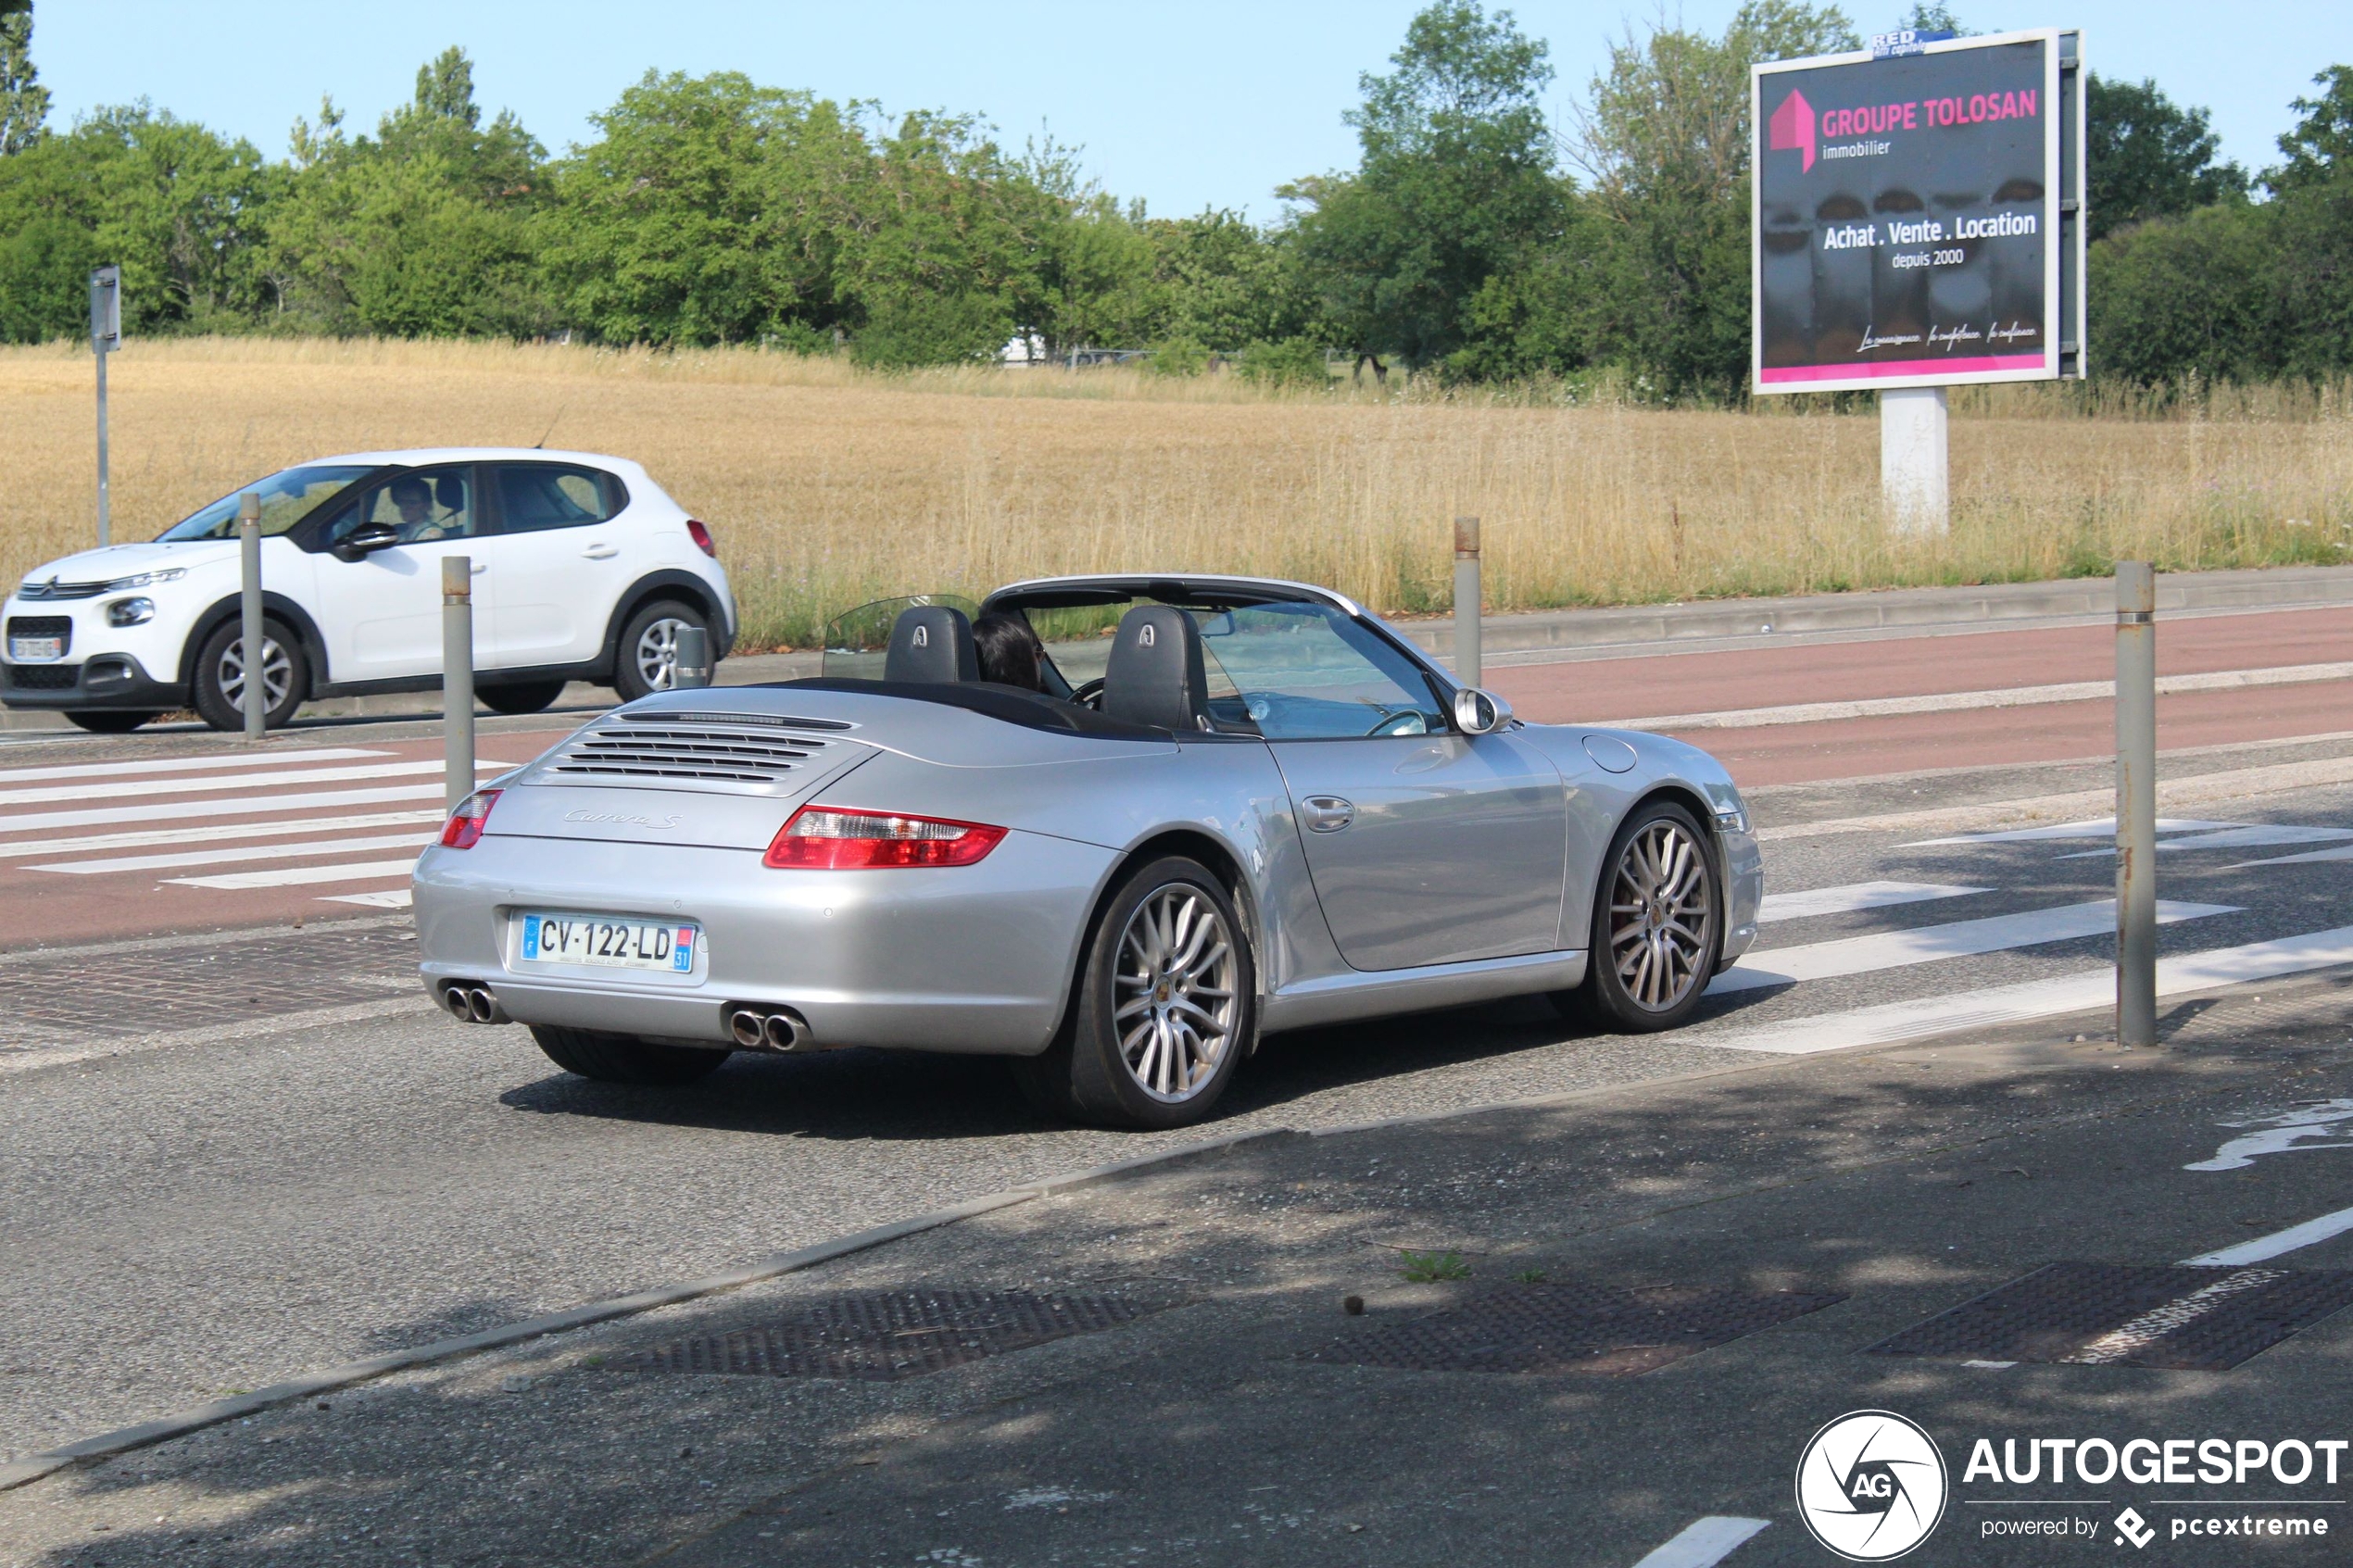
<point x="1113" y="829"/>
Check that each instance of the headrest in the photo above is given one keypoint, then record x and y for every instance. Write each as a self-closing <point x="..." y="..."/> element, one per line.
<point x="449" y="493"/>
<point x="931" y="642"/>
<point x="1156" y="675"/>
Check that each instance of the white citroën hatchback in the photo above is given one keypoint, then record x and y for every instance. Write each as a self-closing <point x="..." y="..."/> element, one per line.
<point x="583" y="570"/>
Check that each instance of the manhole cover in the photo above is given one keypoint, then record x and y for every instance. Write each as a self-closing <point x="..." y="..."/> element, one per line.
<point x="2110" y="1314"/>
<point x="1549" y="1328"/>
<point x="892" y="1333"/>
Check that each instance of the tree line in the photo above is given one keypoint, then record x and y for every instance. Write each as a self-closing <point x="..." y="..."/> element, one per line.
<point x="1475" y="239"/>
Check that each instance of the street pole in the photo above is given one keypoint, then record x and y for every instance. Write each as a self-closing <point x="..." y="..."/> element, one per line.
<point x="2135" y="804"/>
<point x="457" y="675"/>
<point x="255" y="698"/>
<point x="1914" y="469"/>
<point x="1467" y="600"/>
<point x="105" y="336"/>
<point x="690" y="666"/>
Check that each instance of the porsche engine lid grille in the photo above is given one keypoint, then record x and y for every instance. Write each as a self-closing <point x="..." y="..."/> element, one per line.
<point x="708" y="752"/>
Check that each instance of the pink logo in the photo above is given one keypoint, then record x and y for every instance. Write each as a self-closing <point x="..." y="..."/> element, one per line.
<point x="1792" y="129"/>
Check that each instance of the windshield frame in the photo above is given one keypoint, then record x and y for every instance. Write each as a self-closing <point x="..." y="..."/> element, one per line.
<point x="224" y="528"/>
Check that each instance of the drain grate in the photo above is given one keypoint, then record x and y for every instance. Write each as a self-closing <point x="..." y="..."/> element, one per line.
<point x="2108" y="1314"/>
<point x="885" y="1335"/>
<point x="1554" y="1328"/>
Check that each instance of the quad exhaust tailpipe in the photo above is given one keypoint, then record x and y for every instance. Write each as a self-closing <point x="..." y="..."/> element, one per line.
<point x="472" y="1004"/>
<point x="768" y="1029"/>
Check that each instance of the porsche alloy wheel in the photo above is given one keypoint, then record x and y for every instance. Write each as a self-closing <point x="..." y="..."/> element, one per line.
<point x="1164" y="1010"/>
<point x="1656" y="933"/>
<point x="1173" y="990"/>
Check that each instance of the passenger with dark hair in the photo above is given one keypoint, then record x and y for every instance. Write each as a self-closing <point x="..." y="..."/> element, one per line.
<point x="1010" y="654"/>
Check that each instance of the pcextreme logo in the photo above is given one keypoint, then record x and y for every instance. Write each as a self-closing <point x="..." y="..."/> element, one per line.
<point x="1871" y="1485"/>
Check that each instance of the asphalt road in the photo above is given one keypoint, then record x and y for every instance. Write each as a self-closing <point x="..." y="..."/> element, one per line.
<point x="192" y="1212"/>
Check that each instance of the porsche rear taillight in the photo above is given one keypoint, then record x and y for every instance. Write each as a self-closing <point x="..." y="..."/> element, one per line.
<point x="833" y="838"/>
<point x="463" y="830"/>
<point x="701" y="536"/>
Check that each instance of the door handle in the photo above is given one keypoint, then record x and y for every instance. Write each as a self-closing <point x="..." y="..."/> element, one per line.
<point x="1327" y="813"/>
<point x="480" y="567"/>
<point x="600" y="552"/>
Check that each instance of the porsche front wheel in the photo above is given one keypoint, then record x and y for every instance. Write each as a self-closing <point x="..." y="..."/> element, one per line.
<point x="1656" y="931"/>
<point x="1165" y="1008"/>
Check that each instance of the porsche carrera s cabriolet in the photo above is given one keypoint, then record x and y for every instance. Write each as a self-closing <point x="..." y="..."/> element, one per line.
<point x="1113" y="829"/>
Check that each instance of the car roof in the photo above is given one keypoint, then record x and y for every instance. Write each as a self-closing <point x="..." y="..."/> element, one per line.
<point x="425" y="456"/>
<point x="1195" y="585"/>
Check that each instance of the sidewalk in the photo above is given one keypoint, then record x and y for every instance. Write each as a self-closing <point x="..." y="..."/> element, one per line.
<point x="1190" y="1387"/>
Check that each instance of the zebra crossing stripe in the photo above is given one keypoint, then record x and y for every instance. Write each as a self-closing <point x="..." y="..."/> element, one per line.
<point x="1926" y="944"/>
<point x="2029" y="1001"/>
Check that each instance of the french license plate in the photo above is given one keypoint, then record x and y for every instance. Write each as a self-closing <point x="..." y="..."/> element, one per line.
<point x="610" y="942"/>
<point x="28" y="649"/>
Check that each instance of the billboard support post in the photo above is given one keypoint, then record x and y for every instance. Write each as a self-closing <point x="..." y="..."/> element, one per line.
<point x="1913" y="473"/>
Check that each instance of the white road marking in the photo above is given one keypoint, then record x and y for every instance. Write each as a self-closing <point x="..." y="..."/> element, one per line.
<point x="2128" y="1339"/>
<point x="218" y="832"/>
<point x="2228" y="786"/>
<point x="2235" y="838"/>
<point x="310" y="848"/>
<point x="298" y="876"/>
<point x="1703" y="1544"/>
<point x="185" y="764"/>
<point x="1966" y="938"/>
<point x="175" y="810"/>
<point x="2265" y="1247"/>
<point x="2285" y="1132"/>
<point x="395" y="899"/>
<point x="2100" y="827"/>
<point x="207" y="784"/>
<point x="1853" y="897"/>
<point x="2311" y="857"/>
<point x="2004" y="696"/>
<point x="2028" y="1000"/>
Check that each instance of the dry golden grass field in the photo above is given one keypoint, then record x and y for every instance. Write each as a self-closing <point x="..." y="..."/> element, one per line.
<point x="828" y="486"/>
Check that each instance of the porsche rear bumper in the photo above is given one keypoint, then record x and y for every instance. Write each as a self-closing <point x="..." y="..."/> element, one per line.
<point x="971" y="959"/>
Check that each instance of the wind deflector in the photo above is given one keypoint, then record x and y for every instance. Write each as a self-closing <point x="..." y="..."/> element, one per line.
<point x="1031" y="710"/>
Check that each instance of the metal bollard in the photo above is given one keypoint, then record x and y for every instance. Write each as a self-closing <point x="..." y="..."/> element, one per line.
<point x="253" y="645"/>
<point x="690" y="663"/>
<point x="2136" y="803"/>
<point x="457" y="675"/>
<point x="1467" y="600"/>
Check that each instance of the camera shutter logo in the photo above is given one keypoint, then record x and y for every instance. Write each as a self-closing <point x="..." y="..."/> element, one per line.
<point x="1871" y="1485"/>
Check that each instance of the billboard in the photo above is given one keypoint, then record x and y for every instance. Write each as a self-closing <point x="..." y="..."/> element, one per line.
<point x="1918" y="217"/>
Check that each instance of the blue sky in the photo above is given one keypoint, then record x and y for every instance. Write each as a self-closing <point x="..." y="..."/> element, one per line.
<point x="1207" y="103"/>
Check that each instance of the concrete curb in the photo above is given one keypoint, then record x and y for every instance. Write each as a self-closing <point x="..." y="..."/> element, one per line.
<point x="106" y="1445"/>
<point x="1890" y="609"/>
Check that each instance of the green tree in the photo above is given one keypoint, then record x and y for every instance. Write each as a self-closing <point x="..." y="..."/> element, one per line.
<point x="24" y="103"/>
<point x="705" y="212"/>
<point x="2322" y="145"/>
<point x="47" y="243"/>
<point x="2148" y="157"/>
<point x="428" y="228"/>
<point x="1457" y="184"/>
<point x="1665" y="140"/>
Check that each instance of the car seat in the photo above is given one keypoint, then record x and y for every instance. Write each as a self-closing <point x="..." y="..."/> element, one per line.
<point x="449" y="495"/>
<point x="931" y="642"/>
<point x="1156" y="674"/>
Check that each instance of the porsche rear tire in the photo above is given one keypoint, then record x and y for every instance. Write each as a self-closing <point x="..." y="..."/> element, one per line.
<point x="1658" y="928"/>
<point x="1164" y="1010"/>
<point x="622" y="1059"/>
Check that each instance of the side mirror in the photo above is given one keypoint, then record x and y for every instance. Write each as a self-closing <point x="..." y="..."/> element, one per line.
<point x="363" y="542"/>
<point x="1480" y="713"/>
